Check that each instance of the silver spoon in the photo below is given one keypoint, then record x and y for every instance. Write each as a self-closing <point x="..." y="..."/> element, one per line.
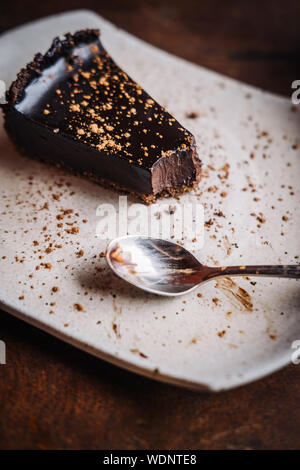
<point x="165" y="268"/>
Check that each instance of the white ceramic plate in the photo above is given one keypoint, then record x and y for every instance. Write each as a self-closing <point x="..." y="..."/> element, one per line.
<point x="213" y="342"/>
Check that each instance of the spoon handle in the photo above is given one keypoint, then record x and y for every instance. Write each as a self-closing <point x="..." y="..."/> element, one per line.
<point x="291" y="271"/>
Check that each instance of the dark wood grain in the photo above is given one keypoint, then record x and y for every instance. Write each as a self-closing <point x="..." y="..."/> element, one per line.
<point x="256" y="41"/>
<point x="53" y="396"/>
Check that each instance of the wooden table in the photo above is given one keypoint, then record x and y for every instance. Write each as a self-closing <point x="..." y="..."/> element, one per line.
<point x="53" y="396"/>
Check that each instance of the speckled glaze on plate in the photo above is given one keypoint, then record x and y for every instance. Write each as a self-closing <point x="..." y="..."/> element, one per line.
<point x="52" y="269"/>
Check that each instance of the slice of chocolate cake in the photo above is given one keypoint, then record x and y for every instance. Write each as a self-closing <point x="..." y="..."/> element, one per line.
<point x="76" y="108"/>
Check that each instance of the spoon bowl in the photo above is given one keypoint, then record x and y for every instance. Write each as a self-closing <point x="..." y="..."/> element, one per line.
<point x="155" y="265"/>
